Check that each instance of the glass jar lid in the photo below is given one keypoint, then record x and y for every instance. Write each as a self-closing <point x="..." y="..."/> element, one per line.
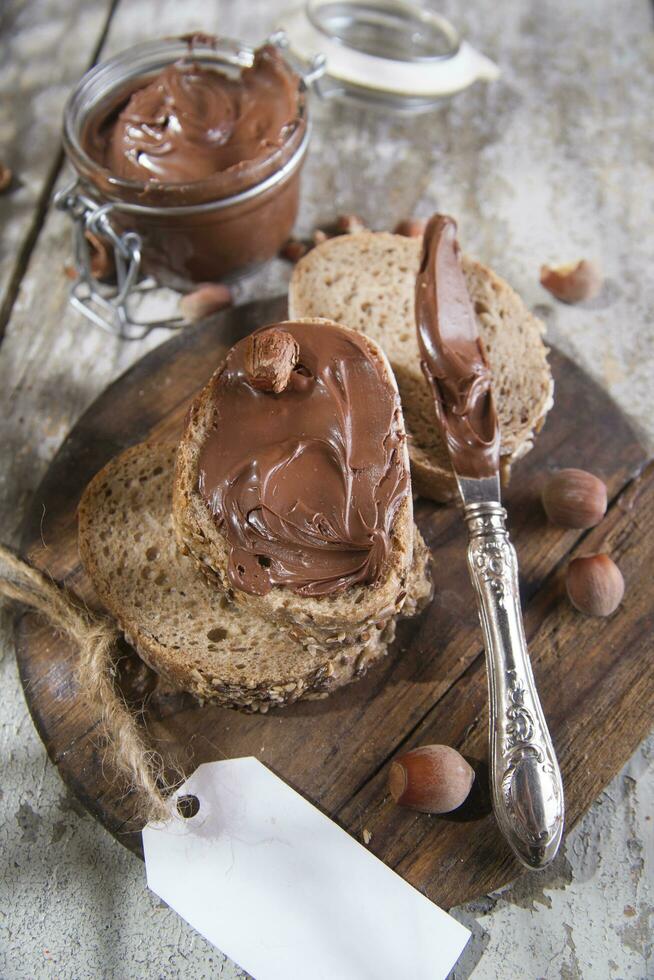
<point x="390" y="52"/>
<point x="397" y="31"/>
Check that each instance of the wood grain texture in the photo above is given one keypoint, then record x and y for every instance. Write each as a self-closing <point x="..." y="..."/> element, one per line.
<point x="44" y="48"/>
<point x="431" y="687"/>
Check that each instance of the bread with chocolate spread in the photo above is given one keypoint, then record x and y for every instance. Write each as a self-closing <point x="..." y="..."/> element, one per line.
<point x="367" y="281"/>
<point x="292" y="486"/>
<point x="181" y="625"/>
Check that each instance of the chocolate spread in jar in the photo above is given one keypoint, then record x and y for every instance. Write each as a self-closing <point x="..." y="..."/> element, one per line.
<point x="305" y="485"/>
<point x="192" y="122"/>
<point x="453" y="356"/>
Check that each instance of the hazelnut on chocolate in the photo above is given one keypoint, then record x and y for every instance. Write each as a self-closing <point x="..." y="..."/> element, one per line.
<point x="270" y="357"/>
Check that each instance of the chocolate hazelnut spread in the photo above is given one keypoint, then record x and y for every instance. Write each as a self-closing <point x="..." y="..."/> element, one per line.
<point x="191" y="121"/>
<point x="305" y="484"/>
<point x="199" y="157"/>
<point x="453" y="356"/>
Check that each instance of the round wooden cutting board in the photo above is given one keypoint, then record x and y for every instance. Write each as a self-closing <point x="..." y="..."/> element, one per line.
<point x="594" y="676"/>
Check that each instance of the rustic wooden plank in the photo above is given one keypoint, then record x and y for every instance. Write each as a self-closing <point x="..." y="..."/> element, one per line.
<point x="329" y="750"/>
<point x="596" y="685"/>
<point x="35" y="85"/>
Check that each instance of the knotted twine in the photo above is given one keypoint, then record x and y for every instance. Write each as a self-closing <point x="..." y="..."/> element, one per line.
<point x="95" y="638"/>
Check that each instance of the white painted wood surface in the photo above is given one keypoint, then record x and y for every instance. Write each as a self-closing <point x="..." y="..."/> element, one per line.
<point x="553" y="162"/>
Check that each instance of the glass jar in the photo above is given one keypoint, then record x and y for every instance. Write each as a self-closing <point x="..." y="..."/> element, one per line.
<point x="212" y="229"/>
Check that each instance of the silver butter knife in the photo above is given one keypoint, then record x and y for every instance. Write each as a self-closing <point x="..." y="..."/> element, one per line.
<point x="525" y="778"/>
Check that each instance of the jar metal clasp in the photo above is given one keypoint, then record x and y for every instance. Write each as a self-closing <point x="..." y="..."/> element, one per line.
<point x="108" y="306"/>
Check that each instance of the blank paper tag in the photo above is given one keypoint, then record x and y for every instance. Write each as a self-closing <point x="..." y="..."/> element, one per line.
<point x="281" y="889"/>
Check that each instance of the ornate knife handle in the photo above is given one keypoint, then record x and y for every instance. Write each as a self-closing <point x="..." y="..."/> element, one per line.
<point x="525" y="777"/>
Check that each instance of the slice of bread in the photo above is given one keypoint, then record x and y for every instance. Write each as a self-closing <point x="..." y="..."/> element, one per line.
<point x="183" y="627"/>
<point x="333" y="617"/>
<point x="367" y="281"/>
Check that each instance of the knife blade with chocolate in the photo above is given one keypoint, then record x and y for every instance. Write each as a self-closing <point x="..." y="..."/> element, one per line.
<point x="525" y="778"/>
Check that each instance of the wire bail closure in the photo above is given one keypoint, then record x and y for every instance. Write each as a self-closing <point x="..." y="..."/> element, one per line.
<point x="310" y="70"/>
<point x="106" y="306"/>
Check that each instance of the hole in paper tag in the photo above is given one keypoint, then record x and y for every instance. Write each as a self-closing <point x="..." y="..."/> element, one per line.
<point x="284" y="891"/>
<point x="188" y="806"/>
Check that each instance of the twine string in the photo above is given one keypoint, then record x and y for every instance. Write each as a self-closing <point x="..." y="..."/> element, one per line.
<point x="95" y="638"/>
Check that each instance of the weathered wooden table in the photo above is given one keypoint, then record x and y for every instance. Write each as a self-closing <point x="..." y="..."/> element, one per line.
<point x="554" y="161"/>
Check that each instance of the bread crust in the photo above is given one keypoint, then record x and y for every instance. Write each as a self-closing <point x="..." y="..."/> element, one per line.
<point x="367" y="281"/>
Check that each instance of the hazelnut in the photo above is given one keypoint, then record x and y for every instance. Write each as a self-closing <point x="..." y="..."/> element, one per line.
<point x="595" y="585"/>
<point x="103" y="265"/>
<point x="319" y="236"/>
<point x="270" y="356"/>
<point x="6" y="177"/>
<point x="349" y="224"/>
<point x="572" y="283"/>
<point x="574" y="498"/>
<point x="433" y="778"/>
<point x="205" y="300"/>
<point x="293" y="250"/>
<point x="410" y="228"/>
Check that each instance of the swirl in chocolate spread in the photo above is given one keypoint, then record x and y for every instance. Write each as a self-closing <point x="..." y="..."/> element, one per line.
<point x="190" y="121"/>
<point x="453" y="356"/>
<point x="305" y="485"/>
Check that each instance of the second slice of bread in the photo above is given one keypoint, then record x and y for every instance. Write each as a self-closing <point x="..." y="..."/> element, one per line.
<point x="330" y="618"/>
<point x="184" y="627"/>
<point x="367" y="281"/>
